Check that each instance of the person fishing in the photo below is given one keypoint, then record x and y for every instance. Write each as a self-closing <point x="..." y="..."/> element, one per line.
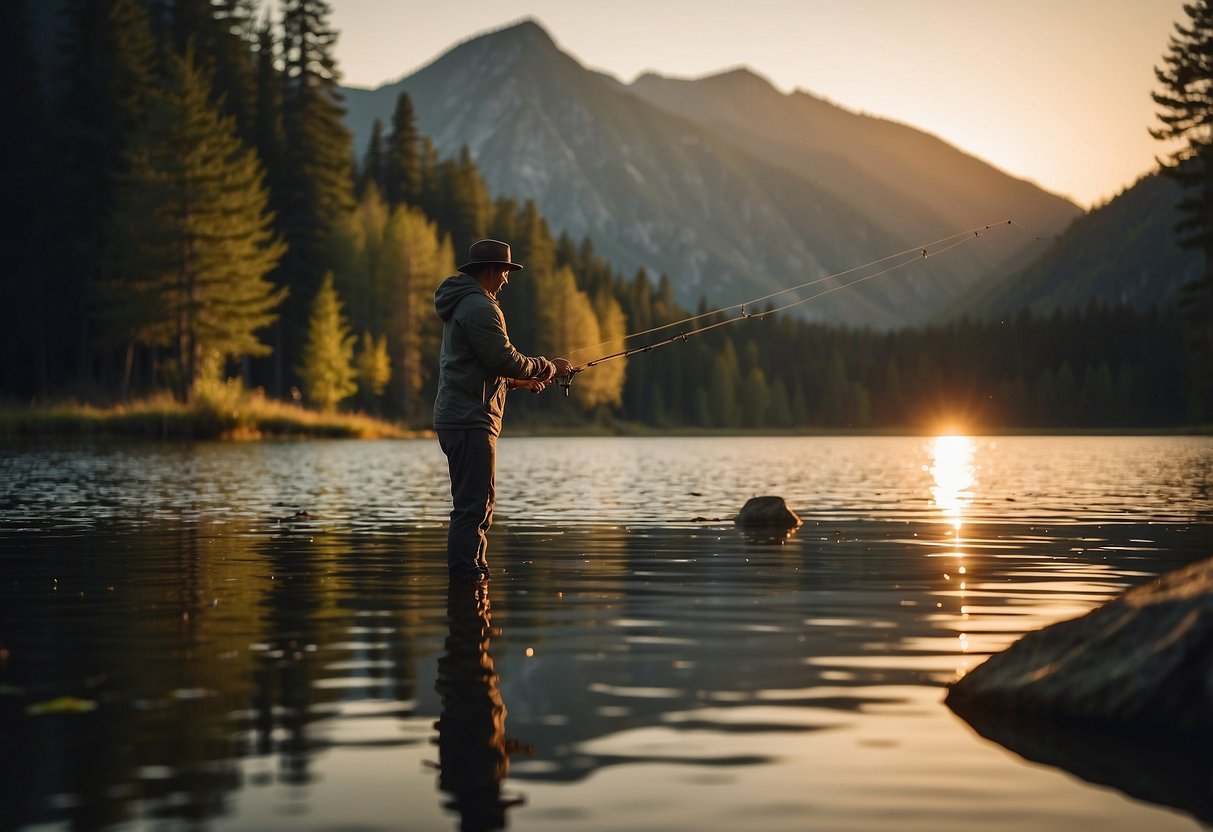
<point x="477" y="365"/>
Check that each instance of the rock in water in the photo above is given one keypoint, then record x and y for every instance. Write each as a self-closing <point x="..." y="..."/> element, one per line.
<point x="1143" y="660"/>
<point x="767" y="513"/>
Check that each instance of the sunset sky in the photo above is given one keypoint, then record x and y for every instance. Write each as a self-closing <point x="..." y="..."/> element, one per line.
<point x="1055" y="91"/>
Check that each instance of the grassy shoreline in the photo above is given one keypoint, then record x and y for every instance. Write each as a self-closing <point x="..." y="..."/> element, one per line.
<point x="243" y="418"/>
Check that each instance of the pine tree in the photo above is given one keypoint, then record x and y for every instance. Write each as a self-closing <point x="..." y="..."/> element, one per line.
<point x="1186" y="103"/>
<point x="415" y="329"/>
<point x="608" y="379"/>
<point x="402" y="156"/>
<point x="372" y="162"/>
<point x="1186" y="113"/>
<point x="318" y="143"/>
<point x="190" y="239"/>
<point x="374" y="368"/>
<point x="362" y="270"/>
<point x="317" y="180"/>
<point x="269" y="131"/>
<point x="465" y="209"/>
<point x="532" y="246"/>
<point x="327" y="370"/>
<point x="569" y="322"/>
<point x="222" y="35"/>
<point x="505" y="219"/>
<point x="431" y="183"/>
<point x="108" y="69"/>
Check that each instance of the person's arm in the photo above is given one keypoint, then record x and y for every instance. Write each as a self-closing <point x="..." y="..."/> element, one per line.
<point x="485" y="329"/>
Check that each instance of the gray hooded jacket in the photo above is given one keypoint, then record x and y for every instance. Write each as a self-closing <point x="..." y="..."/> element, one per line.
<point x="477" y="358"/>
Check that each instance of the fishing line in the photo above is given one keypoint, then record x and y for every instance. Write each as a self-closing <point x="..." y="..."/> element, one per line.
<point x="907" y="256"/>
<point x="1029" y="232"/>
<point x="920" y="251"/>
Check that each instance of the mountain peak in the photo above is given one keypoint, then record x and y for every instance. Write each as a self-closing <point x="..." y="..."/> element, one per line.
<point x="526" y="33"/>
<point x="515" y="48"/>
<point x="741" y="79"/>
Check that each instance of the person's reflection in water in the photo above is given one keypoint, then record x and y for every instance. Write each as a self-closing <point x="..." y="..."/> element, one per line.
<point x="473" y="752"/>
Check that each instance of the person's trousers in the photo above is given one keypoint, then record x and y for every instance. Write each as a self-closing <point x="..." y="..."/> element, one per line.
<point x="471" y="456"/>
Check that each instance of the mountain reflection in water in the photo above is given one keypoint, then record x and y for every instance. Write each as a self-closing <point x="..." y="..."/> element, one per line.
<point x="180" y="648"/>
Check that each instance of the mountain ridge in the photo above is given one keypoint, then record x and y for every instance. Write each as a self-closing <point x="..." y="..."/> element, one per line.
<point x="661" y="189"/>
<point x="1120" y="253"/>
<point x="853" y="153"/>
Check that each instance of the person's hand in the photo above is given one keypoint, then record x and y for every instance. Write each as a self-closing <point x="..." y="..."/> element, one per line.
<point x="563" y="367"/>
<point x="532" y="384"/>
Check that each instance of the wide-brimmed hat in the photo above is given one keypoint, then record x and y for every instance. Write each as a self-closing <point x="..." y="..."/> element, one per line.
<point x="489" y="251"/>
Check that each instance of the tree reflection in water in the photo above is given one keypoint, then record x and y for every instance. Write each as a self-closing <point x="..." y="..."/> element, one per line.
<point x="473" y="752"/>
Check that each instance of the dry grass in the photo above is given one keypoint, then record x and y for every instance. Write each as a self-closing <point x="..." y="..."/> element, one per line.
<point x="220" y="411"/>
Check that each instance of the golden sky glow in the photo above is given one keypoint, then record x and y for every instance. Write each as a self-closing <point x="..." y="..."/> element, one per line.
<point x="1055" y="91"/>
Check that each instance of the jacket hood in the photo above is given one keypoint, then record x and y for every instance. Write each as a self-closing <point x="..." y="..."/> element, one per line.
<point x="451" y="291"/>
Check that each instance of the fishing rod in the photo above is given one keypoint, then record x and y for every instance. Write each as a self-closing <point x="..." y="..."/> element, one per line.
<point x="905" y="257"/>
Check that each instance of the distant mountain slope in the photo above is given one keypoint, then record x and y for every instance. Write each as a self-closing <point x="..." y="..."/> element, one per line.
<point x="909" y="181"/>
<point x="1123" y="252"/>
<point x="658" y="190"/>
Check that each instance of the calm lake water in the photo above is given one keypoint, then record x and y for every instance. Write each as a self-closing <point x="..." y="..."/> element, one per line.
<point x="180" y="647"/>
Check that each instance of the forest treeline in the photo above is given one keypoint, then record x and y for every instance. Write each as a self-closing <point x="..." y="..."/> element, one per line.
<point x="184" y="205"/>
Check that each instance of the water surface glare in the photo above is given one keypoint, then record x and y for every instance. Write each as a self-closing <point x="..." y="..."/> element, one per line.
<point x="262" y="636"/>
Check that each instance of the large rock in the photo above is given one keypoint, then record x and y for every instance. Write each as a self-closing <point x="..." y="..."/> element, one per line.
<point x="767" y="513"/>
<point x="1143" y="660"/>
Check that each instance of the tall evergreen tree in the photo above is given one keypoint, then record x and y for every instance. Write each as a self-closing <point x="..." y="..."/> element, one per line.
<point x="108" y="62"/>
<point x="533" y="246"/>
<point x="317" y="177"/>
<point x="327" y="370"/>
<point x="1186" y="112"/>
<point x="402" y="157"/>
<point x="269" y="139"/>
<point x="431" y="184"/>
<point x="465" y="209"/>
<point x="414" y="331"/>
<point x="222" y="34"/>
<point x="190" y="239"/>
<point x="269" y="131"/>
<point x="372" y="162"/>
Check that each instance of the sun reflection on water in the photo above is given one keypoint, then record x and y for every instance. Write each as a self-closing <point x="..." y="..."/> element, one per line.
<point x="953" y="470"/>
<point x="954" y="473"/>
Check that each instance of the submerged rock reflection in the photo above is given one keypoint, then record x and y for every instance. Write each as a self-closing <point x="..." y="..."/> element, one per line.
<point x="1162" y="768"/>
<point x="473" y="752"/>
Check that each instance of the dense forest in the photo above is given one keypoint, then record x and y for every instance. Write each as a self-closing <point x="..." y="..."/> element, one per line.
<point x="185" y="206"/>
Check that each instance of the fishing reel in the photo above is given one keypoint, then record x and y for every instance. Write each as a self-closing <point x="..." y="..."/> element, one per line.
<point x="566" y="381"/>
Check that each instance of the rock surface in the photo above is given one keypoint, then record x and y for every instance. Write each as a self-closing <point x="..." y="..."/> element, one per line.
<point x="1143" y="660"/>
<point x="767" y="513"/>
